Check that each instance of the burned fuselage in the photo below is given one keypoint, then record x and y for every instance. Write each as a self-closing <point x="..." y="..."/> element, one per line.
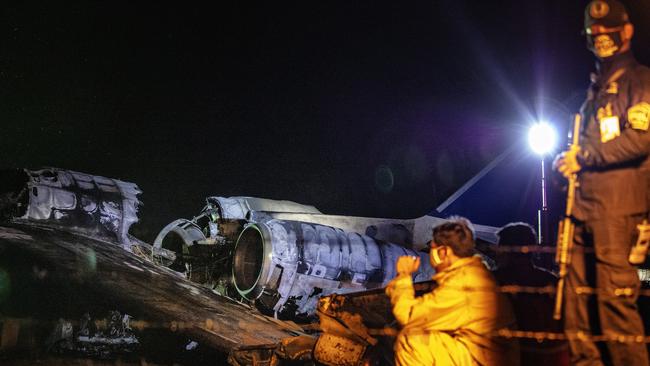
<point x="280" y="255"/>
<point x="284" y="256"/>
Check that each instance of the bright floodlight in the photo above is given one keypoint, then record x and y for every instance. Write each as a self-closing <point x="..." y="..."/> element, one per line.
<point x="542" y="138"/>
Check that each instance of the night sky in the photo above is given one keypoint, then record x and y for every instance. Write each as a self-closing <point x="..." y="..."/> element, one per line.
<point x="371" y="108"/>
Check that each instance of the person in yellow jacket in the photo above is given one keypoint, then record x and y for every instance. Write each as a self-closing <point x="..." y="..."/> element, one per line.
<point x="455" y="324"/>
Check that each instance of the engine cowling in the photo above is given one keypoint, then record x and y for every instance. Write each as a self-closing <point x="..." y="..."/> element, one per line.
<point x="287" y="265"/>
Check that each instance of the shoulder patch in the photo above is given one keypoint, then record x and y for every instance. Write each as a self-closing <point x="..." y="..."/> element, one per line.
<point x="639" y="116"/>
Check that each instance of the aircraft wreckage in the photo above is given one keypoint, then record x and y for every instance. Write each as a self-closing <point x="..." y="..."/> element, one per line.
<point x="242" y="279"/>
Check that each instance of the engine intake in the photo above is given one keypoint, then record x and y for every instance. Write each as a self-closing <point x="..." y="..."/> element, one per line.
<point x="251" y="261"/>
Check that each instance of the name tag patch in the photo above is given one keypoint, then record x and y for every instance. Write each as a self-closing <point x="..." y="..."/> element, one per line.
<point x="609" y="128"/>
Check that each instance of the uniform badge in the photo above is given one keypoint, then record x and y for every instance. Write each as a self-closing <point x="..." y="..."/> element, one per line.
<point x="639" y="116"/>
<point x="609" y="124"/>
<point x="609" y="128"/>
<point x="598" y="9"/>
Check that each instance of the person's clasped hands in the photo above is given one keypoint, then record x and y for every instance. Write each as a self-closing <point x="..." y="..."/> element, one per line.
<point x="407" y="265"/>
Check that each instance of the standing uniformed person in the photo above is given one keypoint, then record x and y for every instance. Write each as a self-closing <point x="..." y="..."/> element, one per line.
<point x="611" y="195"/>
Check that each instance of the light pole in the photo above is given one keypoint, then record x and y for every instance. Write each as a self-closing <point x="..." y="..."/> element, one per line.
<point x="542" y="140"/>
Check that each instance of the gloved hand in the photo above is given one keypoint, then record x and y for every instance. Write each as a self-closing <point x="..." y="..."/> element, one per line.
<point x="407" y="264"/>
<point x="567" y="162"/>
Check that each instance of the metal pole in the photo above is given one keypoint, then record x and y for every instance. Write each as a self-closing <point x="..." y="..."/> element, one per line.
<point x="544" y="215"/>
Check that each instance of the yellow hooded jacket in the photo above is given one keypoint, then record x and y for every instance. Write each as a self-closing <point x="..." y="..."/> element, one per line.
<point x="460" y="316"/>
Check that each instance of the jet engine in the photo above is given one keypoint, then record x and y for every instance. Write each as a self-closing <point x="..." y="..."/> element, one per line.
<point x="284" y="256"/>
<point x="285" y="266"/>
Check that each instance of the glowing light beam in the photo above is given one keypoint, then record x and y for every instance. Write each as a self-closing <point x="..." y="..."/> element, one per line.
<point x="542" y="138"/>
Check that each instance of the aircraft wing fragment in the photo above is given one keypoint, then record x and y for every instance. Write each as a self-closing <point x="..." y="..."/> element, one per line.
<point x="151" y="294"/>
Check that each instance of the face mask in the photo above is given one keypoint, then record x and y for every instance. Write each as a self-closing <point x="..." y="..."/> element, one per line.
<point x="435" y="257"/>
<point x="604" y="45"/>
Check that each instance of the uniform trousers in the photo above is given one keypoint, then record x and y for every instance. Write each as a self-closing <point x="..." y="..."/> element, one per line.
<point x="427" y="348"/>
<point x="600" y="260"/>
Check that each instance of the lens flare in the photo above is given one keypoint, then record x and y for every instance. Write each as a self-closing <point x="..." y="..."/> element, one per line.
<point x="542" y="138"/>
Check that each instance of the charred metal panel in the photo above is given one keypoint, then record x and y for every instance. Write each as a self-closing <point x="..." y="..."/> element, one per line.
<point x="88" y="203"/>
<point x="86" y="339"/>
<point x="187" y="230"/>
<point x="298" y="348"/>
<point x="296" y="262"/>
<point x="202" y="254"/>
<point x="239" y="207"/>
<point x="412" y="233"/>
<point x="392" y="230"/>
<point x="358" y="323"/>
<point x="335" y="350"/>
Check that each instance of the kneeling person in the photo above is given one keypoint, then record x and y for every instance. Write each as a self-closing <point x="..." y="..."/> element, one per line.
<point x="455" y="323"/>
